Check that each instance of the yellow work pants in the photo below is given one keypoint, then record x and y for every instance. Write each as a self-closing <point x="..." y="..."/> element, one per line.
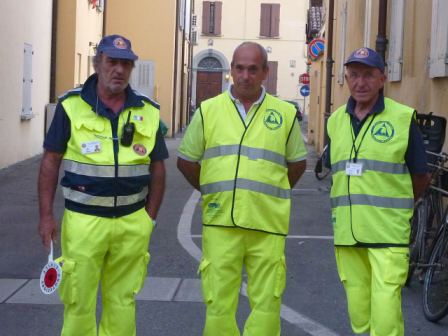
<point x="373" y="279"/>
<point x="225" y="251"/>
<point x="113" y="251"/>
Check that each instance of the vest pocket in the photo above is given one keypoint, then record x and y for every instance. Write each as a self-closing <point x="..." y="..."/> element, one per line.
<point x="92" y="124"/>
<point x="280" y="279"/>
<point x="69" y="286"/>
<point x="207" y="283"/>
<point x="143" y="130"/>
<point x="142" y="273"/>
<point x="396" y="269"/>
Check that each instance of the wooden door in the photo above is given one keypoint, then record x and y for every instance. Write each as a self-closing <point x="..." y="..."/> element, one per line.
<point x="208" y="84"/>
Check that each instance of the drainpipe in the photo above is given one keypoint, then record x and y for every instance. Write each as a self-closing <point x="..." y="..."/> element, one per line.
<point x="104" y="17"/>
<point x="54" y="29"/>
<point x="182" y="81"/>
<point x="329" y="72"/>
<point x="381" y="40"/>
<point x="176" y="40"/>
<point x="189" y="66"/>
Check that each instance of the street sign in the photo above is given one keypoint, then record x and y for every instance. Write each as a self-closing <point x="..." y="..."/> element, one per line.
<point x="316" y="48"/>
<point x="304" y="78"/>
<point x="305" y="90"/>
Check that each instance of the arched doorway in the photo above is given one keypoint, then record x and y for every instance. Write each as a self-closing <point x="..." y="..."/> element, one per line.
<point x="209" y="79"/>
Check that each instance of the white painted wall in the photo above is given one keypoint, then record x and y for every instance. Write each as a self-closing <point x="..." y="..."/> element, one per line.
<point x="25" y="21"/>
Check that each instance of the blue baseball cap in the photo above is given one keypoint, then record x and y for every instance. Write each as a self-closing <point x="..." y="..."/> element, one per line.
<point x="366" y="56"/>
<point x="116" y="46"/>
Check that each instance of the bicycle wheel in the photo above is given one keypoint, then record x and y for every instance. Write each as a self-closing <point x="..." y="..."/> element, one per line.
<point x="416" y="243"/>
<point x="320" y="170"/>
<point x="435" y="288"/>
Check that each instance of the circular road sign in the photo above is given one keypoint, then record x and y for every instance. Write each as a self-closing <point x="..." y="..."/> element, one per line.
<point x="316" y="48"/>
<point x="305" y="90"/>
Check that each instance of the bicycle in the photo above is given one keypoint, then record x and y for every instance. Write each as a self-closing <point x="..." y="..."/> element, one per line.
<point x="320" y="169"/>
<point x="435" y="288"/>
<point x="427" y="218"/>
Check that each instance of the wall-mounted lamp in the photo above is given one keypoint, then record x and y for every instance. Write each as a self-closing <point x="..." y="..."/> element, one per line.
<point x="268" y="49"/>
<point x="226" y="76"/>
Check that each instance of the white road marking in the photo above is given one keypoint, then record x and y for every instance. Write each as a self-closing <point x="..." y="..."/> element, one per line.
<point x="185" y="238"/>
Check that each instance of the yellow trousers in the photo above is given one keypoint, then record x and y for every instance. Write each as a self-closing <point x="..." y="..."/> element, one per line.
<point x="113" y="251"/>
<point x="225" y="251"/>
<point x="373" y="279"/>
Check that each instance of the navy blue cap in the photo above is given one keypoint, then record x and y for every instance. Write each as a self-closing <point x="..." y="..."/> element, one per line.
<point x="116" y="46"/>
<point x="366" y="56"/>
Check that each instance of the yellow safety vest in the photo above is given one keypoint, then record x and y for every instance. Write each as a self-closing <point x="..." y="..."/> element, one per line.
<point x="96" y="176"/>
<point x="244" y="175"/>
<point x="376" y="207"/>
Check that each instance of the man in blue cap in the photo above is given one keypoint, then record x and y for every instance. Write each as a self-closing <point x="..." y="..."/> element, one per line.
<point x="108" y="138"/>
<point x="379" y="168"/>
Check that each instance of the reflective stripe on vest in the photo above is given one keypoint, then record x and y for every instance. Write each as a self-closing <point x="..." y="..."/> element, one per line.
<point x="246" y="184"/>
<point x="105" y="171"/>
<point x="105" y="201"/>
<point x="382" y="202"/>
<point x="379" y="166"/>
<point x="251" y="152"/>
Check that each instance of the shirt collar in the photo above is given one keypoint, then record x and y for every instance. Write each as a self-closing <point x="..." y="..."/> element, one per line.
<point x="376" y="109"/>
<point x="88" y="94"/>
<point x="237" y="101"/>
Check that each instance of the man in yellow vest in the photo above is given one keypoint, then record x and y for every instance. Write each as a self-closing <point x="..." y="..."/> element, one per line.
<point x="244" y="151"/>
<point x="379" y="168"/>
<point x="108" y="139"/>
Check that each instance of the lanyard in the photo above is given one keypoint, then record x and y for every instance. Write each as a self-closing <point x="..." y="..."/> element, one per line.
<point x="354" y="148"/>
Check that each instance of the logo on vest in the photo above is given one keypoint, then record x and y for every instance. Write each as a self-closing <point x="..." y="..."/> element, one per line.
<point x="382" y="131"/>
<point x="139" y="149"/>
<point x="213" y="208"/>
<point x="272" y="119"/>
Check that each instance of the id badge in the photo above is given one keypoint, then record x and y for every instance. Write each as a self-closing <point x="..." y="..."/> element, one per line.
<point x="353" y="169"/>
<point x="91" y="147"/>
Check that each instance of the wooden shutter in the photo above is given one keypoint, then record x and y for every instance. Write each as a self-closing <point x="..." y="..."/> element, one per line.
<point x="270" y="83"/>
<point x="265" y="15"/>
<point x="218" y="13"/>
<point x="275" y="20"/>
<point x="205" y="17"/>
<point x="27" y="109"/>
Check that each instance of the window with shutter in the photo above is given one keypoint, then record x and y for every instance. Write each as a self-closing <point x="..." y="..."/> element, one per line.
<point x="395" y="56"/>
<point x="269" y="20"/>
<point x="27" y="109"/>
<point x="438" y="62"/>
<point x="142" y="77"/>
<point x="211" y="17"/>
<point x="343" y="37"/>
<point x="270" y="83"/>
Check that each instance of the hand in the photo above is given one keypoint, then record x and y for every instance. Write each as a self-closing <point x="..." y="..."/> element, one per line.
<point x="47" y="231"/>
